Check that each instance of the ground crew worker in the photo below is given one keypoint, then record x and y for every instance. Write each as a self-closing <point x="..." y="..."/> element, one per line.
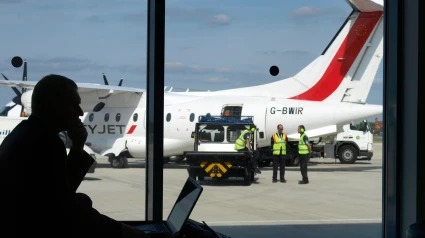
<point x="243" y="143"/>
<point x="304" y="150"/>
<point x="278" y="145"/>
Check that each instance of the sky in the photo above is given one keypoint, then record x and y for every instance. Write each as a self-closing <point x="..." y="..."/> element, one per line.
<point x="210" y="45"/>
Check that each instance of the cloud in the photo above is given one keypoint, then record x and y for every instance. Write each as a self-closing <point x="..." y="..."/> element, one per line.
<point x="94" y="19"/>
<point x="10" y="1"/>
<point x="217" y="80"/>
<point x="179" y="67"/>
<point x="220" y="19"/>
<point x="72" y="64"/>
<point x="177" y="74"/>
<point x="289" y="62"/>
<point x="288" y="53"/>
<point x="206" y="16"/>
<point x="57" y="64"/>
<point x="306" y="12"/>
<point x="310" y="14"/>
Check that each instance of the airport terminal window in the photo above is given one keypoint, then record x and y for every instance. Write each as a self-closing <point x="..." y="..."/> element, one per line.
<point x="280" y="33"/>
<point x="91" y="117"/>
<point x="192" y="117"/>
<point x="75" y="51"/>
<point x="275" y="33"/>
<point x="168" y="118"/>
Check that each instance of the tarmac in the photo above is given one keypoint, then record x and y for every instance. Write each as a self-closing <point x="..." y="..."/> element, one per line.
<point x="341" y="200"/>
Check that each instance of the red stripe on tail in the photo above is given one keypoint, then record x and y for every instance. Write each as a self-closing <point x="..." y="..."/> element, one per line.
<point x="349" y="50"/>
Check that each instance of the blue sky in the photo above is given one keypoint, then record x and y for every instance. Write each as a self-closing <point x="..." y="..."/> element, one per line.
<point x="209" y="44"/>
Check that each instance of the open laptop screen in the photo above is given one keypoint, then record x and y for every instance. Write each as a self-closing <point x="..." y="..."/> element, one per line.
<point x="184" y="205"/>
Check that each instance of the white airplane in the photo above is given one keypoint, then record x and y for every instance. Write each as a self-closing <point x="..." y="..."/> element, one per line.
<point x="330" y="92"/>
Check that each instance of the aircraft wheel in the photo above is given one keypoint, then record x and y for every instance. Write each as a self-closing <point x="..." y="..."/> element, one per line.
<point x="117" y="162"/>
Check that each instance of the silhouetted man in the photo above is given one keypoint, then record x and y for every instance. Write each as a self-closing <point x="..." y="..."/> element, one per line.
<point x="39" y="181"/>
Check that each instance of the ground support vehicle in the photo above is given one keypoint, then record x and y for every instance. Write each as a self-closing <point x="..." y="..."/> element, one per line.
<point x="348" y="146"/>
<point x="214" y="155"/>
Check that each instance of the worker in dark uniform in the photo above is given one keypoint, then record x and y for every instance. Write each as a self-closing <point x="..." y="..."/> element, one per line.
<point x="243" y="143"/>
<point x="304" y="150"/>
<point x="278" y="145"/>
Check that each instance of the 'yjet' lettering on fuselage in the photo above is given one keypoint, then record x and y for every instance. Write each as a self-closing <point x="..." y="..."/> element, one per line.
<point x="108" y="129"/>
<point x="5" y="132"/>
<point x="287" y="110"/>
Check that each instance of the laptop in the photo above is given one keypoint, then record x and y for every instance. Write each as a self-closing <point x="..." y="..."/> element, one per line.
<point x="181" y="211"/>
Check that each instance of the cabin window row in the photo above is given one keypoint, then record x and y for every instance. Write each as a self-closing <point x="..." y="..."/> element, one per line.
<point x="117" y="117"/>
<point x="136" y="116"/>
<point x="191" y="117"/>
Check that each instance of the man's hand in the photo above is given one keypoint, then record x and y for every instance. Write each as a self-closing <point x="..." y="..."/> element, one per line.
<point x="130" y="232"/>
<point x="78" y="135"/>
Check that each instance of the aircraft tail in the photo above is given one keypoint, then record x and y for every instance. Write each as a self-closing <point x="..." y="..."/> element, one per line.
<point x="344" y="72"/>
<point x="346" y="69"/>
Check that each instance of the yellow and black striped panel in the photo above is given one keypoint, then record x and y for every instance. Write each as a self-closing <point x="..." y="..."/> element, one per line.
<point x="215" y="169"/>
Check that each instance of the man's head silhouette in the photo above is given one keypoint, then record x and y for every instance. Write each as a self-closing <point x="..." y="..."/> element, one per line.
<point x="55" y="100"/>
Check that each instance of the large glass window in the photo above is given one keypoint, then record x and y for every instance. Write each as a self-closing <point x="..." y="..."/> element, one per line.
<point x="321" y="54"/>
<point x="81" y="40"/>
<point x="210" y="48"/>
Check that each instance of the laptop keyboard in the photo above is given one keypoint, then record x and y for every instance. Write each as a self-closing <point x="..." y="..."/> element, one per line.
<point x="157" y="228"/>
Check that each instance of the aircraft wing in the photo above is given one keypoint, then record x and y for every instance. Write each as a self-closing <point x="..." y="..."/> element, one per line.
<point x="83" y="87"/>
<point x="91" y="94"/>
<point x="323" y="131"/>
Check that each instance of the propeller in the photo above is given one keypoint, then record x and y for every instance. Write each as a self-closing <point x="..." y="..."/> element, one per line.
<point x="101" y="105"/>
<point x="17" y="62"/>
<point x="17" y="98"/>
<point x="106" y="80"/>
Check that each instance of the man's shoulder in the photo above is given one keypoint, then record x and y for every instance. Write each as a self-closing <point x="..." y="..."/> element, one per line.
<point x="25" y="135"/>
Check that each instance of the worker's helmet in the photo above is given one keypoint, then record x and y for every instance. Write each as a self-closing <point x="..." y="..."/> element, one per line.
<point x="252" y="128"/>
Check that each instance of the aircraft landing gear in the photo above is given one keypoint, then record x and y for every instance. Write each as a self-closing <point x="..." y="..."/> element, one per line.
<point x="118" y="162"/>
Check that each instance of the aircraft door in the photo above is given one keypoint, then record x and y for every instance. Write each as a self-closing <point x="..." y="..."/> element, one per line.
<point x="234" y="111"/>
<point x="258" y="112"/>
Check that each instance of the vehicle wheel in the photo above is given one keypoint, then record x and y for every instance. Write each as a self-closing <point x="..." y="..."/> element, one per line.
<point x="296" y="161"/>
<point x="293" y="162"/>
<point x="347" y="154"/>
<point x="179" y="159"/>
<point x="166" y="160"/>
<point x="264" y="163"/>
<point x="117" y="162"/>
